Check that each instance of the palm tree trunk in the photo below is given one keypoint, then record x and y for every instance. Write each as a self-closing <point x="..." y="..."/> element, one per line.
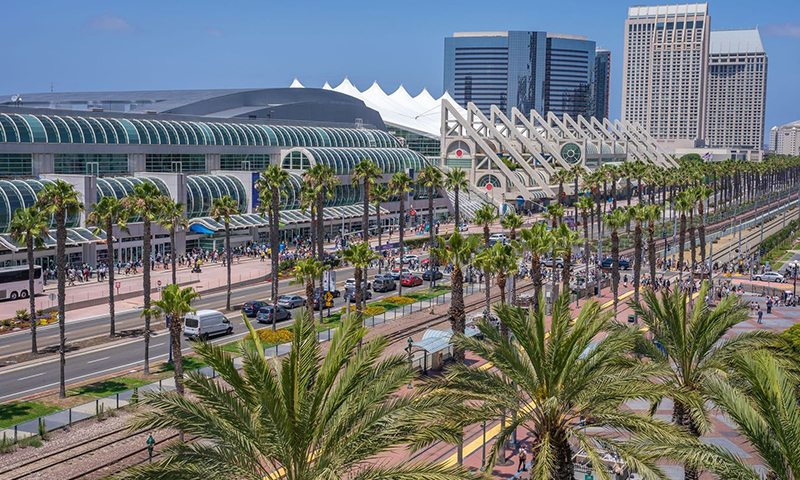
<point x="457" y="314"/>
<point x="400" y="241"/>
<point x="175" y="327"/>
<point x="651" y="252"/>
<point x="564" y="468"/>
<point x="173" y="256"/>
<point x="637" y="259"/>
<point x="359" y="308"/>
<point x="310" y="296"/>
<point x="457" y="208"/>
<point x="110" y="262"/>
<point x="502" y="277"/>
<point x="432" y="229"/>
<point x="536" y="277"/>
<point x="31" y="296"/>
<point x="487" y="280"/>
<point x="380" y="235"/>
<point x="146" y="283"/>
<point x="274" y="245"/>
<point x="692" y="245"/>
<point x="615" y="266"/>
<point x="61" y="242"/>
<point x="229" y="254"/>
<point x="682" y="242"/>
<point x="701" y="233"/>
<point x="565" y="271"/>
<point x="586" y="253"/>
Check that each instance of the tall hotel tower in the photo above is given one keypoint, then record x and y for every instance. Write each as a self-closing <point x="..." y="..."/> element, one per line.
<point x="665" y="71"/>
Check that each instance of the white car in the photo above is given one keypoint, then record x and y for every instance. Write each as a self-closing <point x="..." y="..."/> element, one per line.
<point x="498" y="237"/>
<point x="769" y="277"/>
<point x="410" y="258"/>
<point x="350" y="284"/>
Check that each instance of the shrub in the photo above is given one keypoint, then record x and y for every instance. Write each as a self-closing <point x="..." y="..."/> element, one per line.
<point x="6" y="323"/>
<point x="399" y="300"/>
<point x="287" y="265"/>
<point x="277" y="337"/>
<point x="22" y="316"/>
<point x="792" y="335"/>
<point x="370" y="311"/>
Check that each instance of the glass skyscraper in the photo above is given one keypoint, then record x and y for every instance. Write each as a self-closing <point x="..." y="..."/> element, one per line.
<point x="527" y="70"/>
<point x="602" y="80"/>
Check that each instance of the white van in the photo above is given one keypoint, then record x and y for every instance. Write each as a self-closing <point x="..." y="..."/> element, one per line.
<point x="205" y="324"/>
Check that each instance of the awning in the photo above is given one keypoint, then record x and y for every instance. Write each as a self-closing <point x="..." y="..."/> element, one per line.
<point x="75" y="237"/>
<point x="288" y="218"/>
<point x="200" y="229"/>
<point x="437" y="340"/>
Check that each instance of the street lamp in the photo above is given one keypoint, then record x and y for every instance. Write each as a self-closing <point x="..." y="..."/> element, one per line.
<point x="794" y="286"/>
<point x="410" y="364"/>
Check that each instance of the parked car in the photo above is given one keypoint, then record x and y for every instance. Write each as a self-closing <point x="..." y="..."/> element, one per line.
<point x="410" y="258"/>
<point x="336" y="293"/>
<point x="437" y="275"/>
<point x="397" y="273"/>
<point x="608" y="261"/>
<point x="549" y="262"/>
<point x="272" y="314"/>
<point x="497" y="237"/>
<point x="410" y="280"/>
<point x="291" y="301"/>
<point x="316" y="303"/>
<point x="384" y="284"/>
<point x="204" y="324"/>
<point x="251" y="308"/>
<point x="351" y="295"/>
<point x="769" y="277"/>
<point x="351" y="283"/>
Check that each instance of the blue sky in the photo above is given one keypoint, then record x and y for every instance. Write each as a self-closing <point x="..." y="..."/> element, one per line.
<point x="143" y="45"/>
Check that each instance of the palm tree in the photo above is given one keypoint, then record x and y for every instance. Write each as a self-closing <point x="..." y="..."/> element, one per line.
<point x="175" y="303"/>
<point x="554" y="213"/>
<point x="359" y="255"/>
<point x="431" y="178"/>
<point x="271" y="186"/>
<point x="616" y="220"/>
<point x="694" y="345"/>
<point x="761" y="400"/>
<point x="457" y="181"/>
<point x="305" y="271"/>
<point x="683" y="203"/>
<point x="565" y="239"/>
<point x="457" y="252"/>
<point x="566" y="383"/>
<point x="400" y="184"/>
<point x="501" y="261"/>
<point x="314" y="414"/>
<point x="145" y="203"/>
<point x="575" y="174"/>
<point x="586" y="205"/>
<point x="652" y="214"/>
<point x="222" y="210"/>
<point x="322" y="181"/>
<point x="560" y="176"/>
<point x="485" y="216"/>
<point x="537" y="240"/>
<point x="702" y="194"/>
<point x="512" y="222"/>
<point x="171" y="218"/>
<point x="639" y="213"/>
<point x="379" y="194"/>
<point x="367" y="172"/>
<point x="30" y="226"/>
<point x="106" y="214"/>
<point x="61" y="200"/>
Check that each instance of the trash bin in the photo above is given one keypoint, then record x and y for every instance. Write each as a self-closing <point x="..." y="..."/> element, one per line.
<point x="631" y="318"/>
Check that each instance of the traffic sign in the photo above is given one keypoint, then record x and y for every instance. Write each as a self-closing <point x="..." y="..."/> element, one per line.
<point x="520" y="200"/>
<point x="328" y="296"/>
<point x="412" y="212"/>
<point x="159" y="283"/>
<point x="489" y="187"/>
<point x="117" y="285"/>
<point x="52" y="297"/>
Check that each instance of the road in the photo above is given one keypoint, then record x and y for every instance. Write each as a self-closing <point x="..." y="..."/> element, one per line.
<point x="24" y="380"/>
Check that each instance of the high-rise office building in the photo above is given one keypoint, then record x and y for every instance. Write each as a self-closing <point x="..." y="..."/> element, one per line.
<point x="602" y="81"/>
<point x="737" y="90"/>
<point x="785" y="140"/>
<point x="527" y="70"/>
<point x="665" y="68"/>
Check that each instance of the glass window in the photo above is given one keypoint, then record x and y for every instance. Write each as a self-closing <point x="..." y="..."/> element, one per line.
<point x="99" y="132"/>
<point x="131" y="131"/>
<point x="154" y="133"/>
<point x="86" y="129"/>
<point x="23" y="130"/>
<point x="110" y="133"/>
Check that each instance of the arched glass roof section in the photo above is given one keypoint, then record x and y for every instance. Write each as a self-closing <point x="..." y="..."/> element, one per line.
<point x="201" y="190"/>
<point x="15" y="194"/>
<point x="121" y="187"/>
<point x="28" y="128"/>
<point x="344" y="160"/>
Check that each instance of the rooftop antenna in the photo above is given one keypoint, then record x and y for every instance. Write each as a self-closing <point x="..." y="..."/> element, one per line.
<point x="52" y="88"/>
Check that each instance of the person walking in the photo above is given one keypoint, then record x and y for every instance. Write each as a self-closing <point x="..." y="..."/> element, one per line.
<point x="523" y="457"/>
<point x="760" y="315"/>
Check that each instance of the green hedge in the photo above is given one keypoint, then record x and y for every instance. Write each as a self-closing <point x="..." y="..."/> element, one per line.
<point x="772" y="244"/>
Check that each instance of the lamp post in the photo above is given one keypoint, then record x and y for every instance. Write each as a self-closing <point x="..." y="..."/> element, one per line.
<point x="410" y="364"/>
<point x="483" y="447"/>
<point x="794" y="286"/>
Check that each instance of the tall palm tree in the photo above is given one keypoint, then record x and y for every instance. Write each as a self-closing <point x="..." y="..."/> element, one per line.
<point x="145" y="203"/>
<point x="61" y="200"/>
<point x="400" y="184"/>
<point x="575" y="174"/>
<point x="314" y="414"/>
<point x="367" y="172"/>
<point x="565" y="239"/>
<point x="457" y="181"/>
<point x="761" y="400"/>
<point x="431" y="178"/>
<point x="359" y="255"/>
<point x="171" y="218"/>
<point x="566" y="382"/>
<point x="457" y="252"/>
<point x="616" y="220"/>
<point x="222" y="210"/>
<point x="702" y="194"/>
<point x="652" y="214"/>
<point x="691" y="194"/>
<point x="485" y="216"/>
<point x="693" y="345"/>
<point x="537" y="240"/>
<point x="272" y="185"/>
<point x="560" y="176"/>
<point x="682" y="204"/>
<point x="512" y="222"/>
<point x="305" y="271"/>
<point x="554" y="213"/>
<point x="586" y="206"/>
<point x="379" y="194"/>
<point x="175" y="303"/>
<point x="30" y="226"/>
<point x="501" y="261"/>
<point x="322" y="181"/>
<point x="106" y="214"/>
<point x="639" y="213"/>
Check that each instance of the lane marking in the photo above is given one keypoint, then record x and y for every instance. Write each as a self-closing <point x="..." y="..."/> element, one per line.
<point x="30" y="376"/>
<point x="98" y="360"/>
<point x="157" y="345"/>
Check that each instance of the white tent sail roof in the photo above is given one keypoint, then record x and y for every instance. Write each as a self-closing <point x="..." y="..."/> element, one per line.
<point x="420" y="114"/>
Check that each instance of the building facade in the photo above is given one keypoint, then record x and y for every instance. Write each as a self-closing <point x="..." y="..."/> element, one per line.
<point x="524" y="70"/>
<point x="737" y="90"/>
<point x="785" y="140"/>
<point x="602" y="82"/>
<point x="665" y="71"/>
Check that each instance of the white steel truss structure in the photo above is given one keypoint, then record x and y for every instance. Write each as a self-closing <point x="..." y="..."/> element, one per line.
<point x="518" y="154"/>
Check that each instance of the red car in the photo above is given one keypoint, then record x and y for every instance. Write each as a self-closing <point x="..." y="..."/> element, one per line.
<point x="409" y="280"/>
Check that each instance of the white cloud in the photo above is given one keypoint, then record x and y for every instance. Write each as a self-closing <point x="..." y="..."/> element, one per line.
<point x="213" y="32"/>
<point x="783" y="30"/>
<point x="108" y="23"/>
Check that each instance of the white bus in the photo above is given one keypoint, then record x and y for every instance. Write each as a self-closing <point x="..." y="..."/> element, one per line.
<point x="14" y="282"/>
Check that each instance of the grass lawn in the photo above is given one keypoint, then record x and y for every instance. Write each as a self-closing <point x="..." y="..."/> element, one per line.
<point x="108" y="387"/>
<point x="189" y="363"/>
<point x="18" y="412"/>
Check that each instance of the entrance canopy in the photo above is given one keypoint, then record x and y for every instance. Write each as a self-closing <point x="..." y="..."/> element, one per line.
<point x="75" y="237"/>
<point x="288" y="218"/>
<point x="434" y="341"/>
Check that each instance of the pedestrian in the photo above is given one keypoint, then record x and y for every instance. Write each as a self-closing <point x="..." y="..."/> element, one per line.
<point x="523" y="456"/>
<point x="760" y="315"/>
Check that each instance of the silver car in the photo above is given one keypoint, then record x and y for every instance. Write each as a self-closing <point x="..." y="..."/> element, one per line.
<point x="769" y="277"/>
<point x="291" y="301"/>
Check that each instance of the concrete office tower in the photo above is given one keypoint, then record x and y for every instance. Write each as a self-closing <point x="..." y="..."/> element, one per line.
<point x="528" y="70"/>
<point x="602" y="81"/>
<point x="737" y="90"/>
<point x="785" y="140"/>
<point x="665" y="68"/>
